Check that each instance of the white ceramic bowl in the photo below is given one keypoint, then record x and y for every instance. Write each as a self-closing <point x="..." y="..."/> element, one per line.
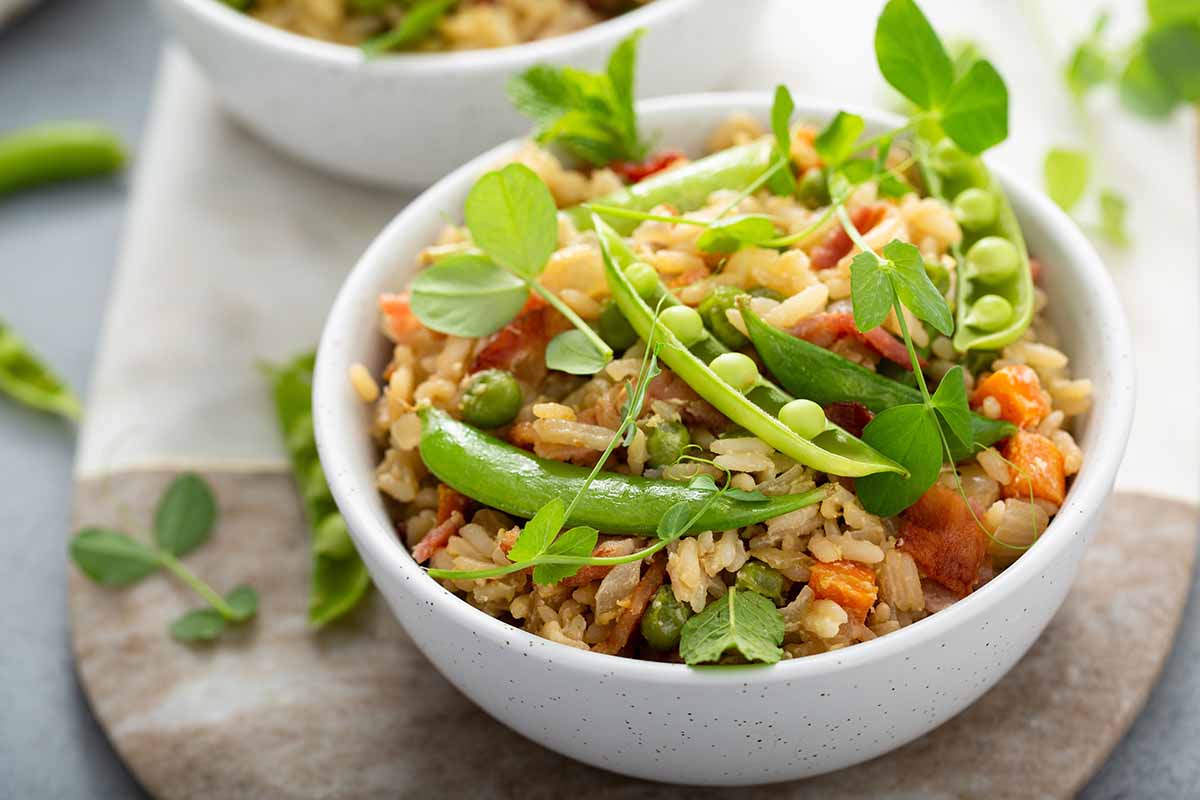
<point x="408" y="119"/>
<point x="728" y="725"/>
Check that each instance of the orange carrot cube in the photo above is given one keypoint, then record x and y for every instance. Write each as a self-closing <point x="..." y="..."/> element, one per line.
<point x="850" y="585"/>
<point x="1017" y="389"/>
<point x="1037" y="466"/>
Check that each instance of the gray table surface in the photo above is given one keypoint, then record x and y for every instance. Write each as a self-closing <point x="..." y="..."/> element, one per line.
<point x="96" y="59"/>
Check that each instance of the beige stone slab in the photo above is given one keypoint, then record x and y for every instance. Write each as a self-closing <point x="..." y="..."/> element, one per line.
<point x="276" y="711"/>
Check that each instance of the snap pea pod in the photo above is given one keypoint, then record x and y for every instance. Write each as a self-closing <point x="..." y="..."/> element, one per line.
<point x="817" y="374"/>
<point x="833" y="451"/>
<point x="685" y="188"/>
<point x="966" y="178"/>
<point x="56" y="152"/>
<point x="499" y="475"/>
<point x="339" y="577"/>
<point x="26" y="379"/>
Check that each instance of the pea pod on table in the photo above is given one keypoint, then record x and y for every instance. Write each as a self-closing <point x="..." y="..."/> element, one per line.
<point x="56" y="152"/>
<point x="499" y="475"/>
<point x="995" y="283"/>
<point x="26" y="379"/>
<point x="685" y="188"/>
<point x="834" y="451"/>
<point x="824" y="377"/>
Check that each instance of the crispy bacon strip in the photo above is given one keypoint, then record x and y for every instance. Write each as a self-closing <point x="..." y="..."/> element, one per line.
<point x="837" y="244"/>
<point x="450" y="501"/>
<point x="636" y="171"/>
<point x="437" y="537"/>
<point x="826" y="328"/>
<point x="941" y="534"/>
<point x="694" y="409"/>
<point x="850" y="585"/>
<point x="851" y="416"/>
<point x="608" y="549"/>
<point x="639" y="600"/>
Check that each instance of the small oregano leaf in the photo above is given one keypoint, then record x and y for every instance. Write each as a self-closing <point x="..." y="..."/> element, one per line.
<point x="870" y="290"/>
<point x="1066" y="173"/>
<point x="908" y="434"/>
<point x="976" y="112"/>
<point x="741" y="620"/>
<point x="539" y="532"/>
<point x="782" y="181"/>
<point x="911" y="56"/>
<point x="914" y="288"/>
<point x="244" y="602"/>
<point x="747" y="497"/>
<point x="185" y="516"/>
<point x="579" y="541"/>
<point x="950" y="402"/>
<point x="512" y="217"/>
<point x="198" y="625"/>
<point x="674" y="523"/>
<point x="837" y="142"/>
<point x="466" y="295"/>
<point x="112" y="558"/>
<point x="572" y="351"/>
<point x="727" y="235"/>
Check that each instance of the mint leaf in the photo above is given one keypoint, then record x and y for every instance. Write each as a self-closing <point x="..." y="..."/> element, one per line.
<point x="870" y="291"/>
<point x="539" y="532"/>
<point x="579" y="541"/>
<point x="1112" y="217"/>
<point x="782" y="181"/>
<point x="513" y="219"/>
<point x="198" y="625"/>
<point x="1066" y="173"/>
<point x="911" y="56"/>
<point x="909" y="435"/>
<point x="950" y="402"/>
<point x="837" y="142"/>
<point x="185" y="516"/>
<point x="573" y="352"/>
<point x="112" y="558"/>
<point x="417" y="24"/>
<point x="914" y="288"/>
<point x="976" y="112"/>
<point x="466" y="295"/>
<point x="743" y="621"/>
<point x="727" y="235"/>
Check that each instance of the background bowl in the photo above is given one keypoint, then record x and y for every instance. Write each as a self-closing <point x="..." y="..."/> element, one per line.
<point x="408" y="119"/>
<point x="728" y="725"/>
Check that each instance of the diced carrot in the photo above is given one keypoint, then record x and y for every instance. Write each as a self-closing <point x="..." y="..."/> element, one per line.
<point x="437" y="537"/>
<point x="627" y="621"/>
<point x="942" y="535"/>
<point x="1017" y="389"/>
<point x="1037" y="466"/>
<point x="850" y="585"/>
<point x="398" y="314"/>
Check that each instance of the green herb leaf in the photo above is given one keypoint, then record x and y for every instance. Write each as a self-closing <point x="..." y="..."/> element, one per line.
<point x="782" y="181"/>
<point x="622" y="70"/>
<point x="976" y="112"/>
<point x="871" y="291"/>
<point x="1174" y="52"/>
<point x="512" y="218"/>
<point x="27" y="380"/>
<point x="747" y="497"/>
<point x="909" y="435"/>
<point x="1090" y="65"/>
<point x="539" y="532"/>
<point x="950" y="402"/>
<point x="914" y="288"/>
<point x="839" y="139"/>
<point x="1112" y="217"/>
<point x="1066" y="173"/>
<point x="467" y="295"/>
<point x="674" y="522"/>
<point x="729" y="234"/>
<point x="112" y="558"/>
<point x="572" y="351"/>
<point x="244" y="602"/>
<point x="1143" y="90"/>
<point x="891" y="185"/>
<point x="198" y="625"/>
<point x="419" y="21"/>
<point x="185" y="516"/>
<point x="579" y="541"/>
<point x="1166" y="12"/>
<point x="703" y="482"/>
<point x="743" y="621"/>
<point x="911" y="56"/>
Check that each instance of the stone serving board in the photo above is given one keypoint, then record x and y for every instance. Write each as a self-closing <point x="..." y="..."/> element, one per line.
<point x="277" y="711"/>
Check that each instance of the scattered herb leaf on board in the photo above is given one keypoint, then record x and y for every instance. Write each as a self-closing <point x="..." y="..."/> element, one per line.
<point x="743" y="621"/>
<point x="1066" y="173"/>
<point x="26" y="379"/>
<point x="183" y="521"/>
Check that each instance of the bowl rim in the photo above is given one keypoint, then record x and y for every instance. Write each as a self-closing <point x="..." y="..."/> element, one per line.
<point x="512" y="57"/>
<point x="1084" y="501"/>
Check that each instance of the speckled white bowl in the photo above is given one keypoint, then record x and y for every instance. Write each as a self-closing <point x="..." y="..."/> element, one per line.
<point x="407" y="119"/>
<point x="728" y="725"/>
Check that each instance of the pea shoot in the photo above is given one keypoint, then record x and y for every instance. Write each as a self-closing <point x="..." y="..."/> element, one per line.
<point x="25" y="378"/>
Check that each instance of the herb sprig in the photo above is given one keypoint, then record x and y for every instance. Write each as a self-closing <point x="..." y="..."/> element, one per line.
<point x="417" y="24"/>
<point x="184" y="519"/>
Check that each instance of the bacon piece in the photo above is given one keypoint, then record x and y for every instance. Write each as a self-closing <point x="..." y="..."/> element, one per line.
<point x="524" y="435"/>
<point x="693" y="408"/>
<point x="837" y="244"/>
<point x="608" y="549"/>
<point x="520" y="346"/>
<point x="1017" y="389"/>
<point x="437" y="537"/>
<point x="627" y="621"/>
<point x="850" y="416"/>
<point x="850" y="585"/>
<point x="1039" y="468"/>
<point x="941" y="534"/>
<point x="826" y="328"/>
<point x="398" y="316"/>
<point x="636" y="171"/>
<point x="450" y="501"/>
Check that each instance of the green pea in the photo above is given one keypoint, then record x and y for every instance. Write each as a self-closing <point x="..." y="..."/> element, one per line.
<point x="736" y="369"/>
<point x="756" y="576"/>
<point x="989" y="313"/>
<point x="713" y="309"/>
<point x="993" y="259"/>
<point x="975" y="209"/>
<point x="767" y="292"/>
<point x="813" y="189"/>
<point x="684" y="322"/>
<point x="804" y="417"/>
<point x="491" y="399"/>
<point x="666" y="443"/>
<point x="663" y="621"/>
<point x="614" y="329"/>
<point x="949" y="159"/>
<point x="643" y="277"/>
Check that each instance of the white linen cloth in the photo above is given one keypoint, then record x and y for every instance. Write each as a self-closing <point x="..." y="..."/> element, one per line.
<point x="233" y="253"/>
